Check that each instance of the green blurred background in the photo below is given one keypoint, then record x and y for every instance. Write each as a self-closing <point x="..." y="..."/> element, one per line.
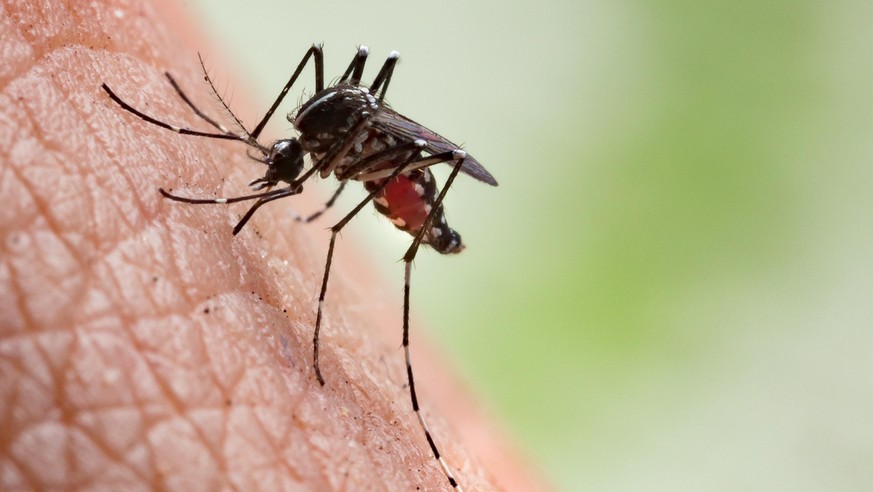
<point x="672" y="288"/>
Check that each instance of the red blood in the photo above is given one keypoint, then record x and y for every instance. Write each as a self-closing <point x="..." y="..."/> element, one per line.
<point x="405" y="203"/>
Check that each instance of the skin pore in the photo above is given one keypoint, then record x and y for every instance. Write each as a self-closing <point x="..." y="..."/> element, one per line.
<point x="141" y="344"/>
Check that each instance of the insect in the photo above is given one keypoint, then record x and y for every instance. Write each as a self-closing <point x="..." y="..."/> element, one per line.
<point x="348" y="130"/>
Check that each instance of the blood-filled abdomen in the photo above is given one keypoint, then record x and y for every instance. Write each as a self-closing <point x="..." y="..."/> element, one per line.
<point x="407" y="200"/>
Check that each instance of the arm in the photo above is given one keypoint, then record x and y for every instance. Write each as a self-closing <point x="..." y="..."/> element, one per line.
<point x="141" y="344"/>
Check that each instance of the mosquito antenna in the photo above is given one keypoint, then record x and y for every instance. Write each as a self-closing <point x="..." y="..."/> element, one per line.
<point x="219" y="97"/>
<point x="194" y="108"/>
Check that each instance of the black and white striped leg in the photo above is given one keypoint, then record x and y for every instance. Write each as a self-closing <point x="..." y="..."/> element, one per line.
<point x="255" y="206"/>
<point x="317" y="214"/>
<point x="316" y="52"/>
<point x="356" y="67"/>
<point x="384" y="76"/>
<point x="249" y="138"/>
<point x="408" y="152"/>
<point x="341" y="148"/>
<point x="407" y="258"/>
<point x="261" y="198"/>
<point x="292" y="189"/>
<point x="177" y="129"/>
<point x="417" y="145"/>
<point x="427" y="161"/>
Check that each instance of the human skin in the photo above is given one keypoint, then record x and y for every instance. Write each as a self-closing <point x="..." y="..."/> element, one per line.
<point x="142" y="346"/>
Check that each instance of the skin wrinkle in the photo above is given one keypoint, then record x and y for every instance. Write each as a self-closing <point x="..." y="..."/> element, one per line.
<point x="33" y="483"/>
<point x="74" y="414"/>
<point x="180" y="409"/>
<point x="10" y="24"/>
<point x="57" y="387"/>
<point x="146" y="422"/>
<point x="232" y="384"/>
<point x="178" y="406"/>
<point x="212" y="368"/>
<point x="103" y="441"/>
<point x="131" y="188"/>
<point x="6" y="441"/>
<point x="275" y="447"/>
<point x="20" y="302"/>
<point x="43" y="210"/>
<point x="66" y="416"/>
<point x="107" y="451"/>
<point x="175" y="271"/>
<point x="150" y="218"/>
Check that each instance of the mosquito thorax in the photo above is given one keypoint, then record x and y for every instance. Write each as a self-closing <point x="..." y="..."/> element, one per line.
<point x="330" y="114"/>
<point x="285" y="161"/>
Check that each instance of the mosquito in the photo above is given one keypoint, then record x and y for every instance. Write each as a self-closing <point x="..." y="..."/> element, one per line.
<point x="349" y="131"/>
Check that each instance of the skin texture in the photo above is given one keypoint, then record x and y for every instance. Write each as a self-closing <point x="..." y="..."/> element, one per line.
<point x="142" y="346"/>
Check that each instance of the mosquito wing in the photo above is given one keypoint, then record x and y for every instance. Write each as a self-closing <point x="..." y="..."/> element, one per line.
<point x="396" y="124"/>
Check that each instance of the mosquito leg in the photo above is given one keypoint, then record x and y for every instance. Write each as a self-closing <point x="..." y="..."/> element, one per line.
<point x="251" y="139"/>
<point x="356" y="67"/>
<point x="422" y="422"/>
<point x="261" y="198"/>
<point x="425" y="161"/>
<point x="177" y="129"/>
<point x="407" y="258"/>
<point x="274" y="195"/>
<point x="333" y="233"/>
<point x="335" y="154"/>
<point x="459" y="156"/>
<point x="314" y="51"/>
<point x="194" y="108"/>
<point x="385" y="155"/>
<point x="326" y="206"/>
<point x="390" y="154"/>
<point x="384" y="76"/>
<point x="212" y="201"/>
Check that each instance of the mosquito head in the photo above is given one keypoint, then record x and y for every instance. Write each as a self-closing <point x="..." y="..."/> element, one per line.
<point x="285" y="161"/>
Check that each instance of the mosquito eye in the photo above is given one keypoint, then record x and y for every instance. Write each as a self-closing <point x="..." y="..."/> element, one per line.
<point x="281" y="148"/>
